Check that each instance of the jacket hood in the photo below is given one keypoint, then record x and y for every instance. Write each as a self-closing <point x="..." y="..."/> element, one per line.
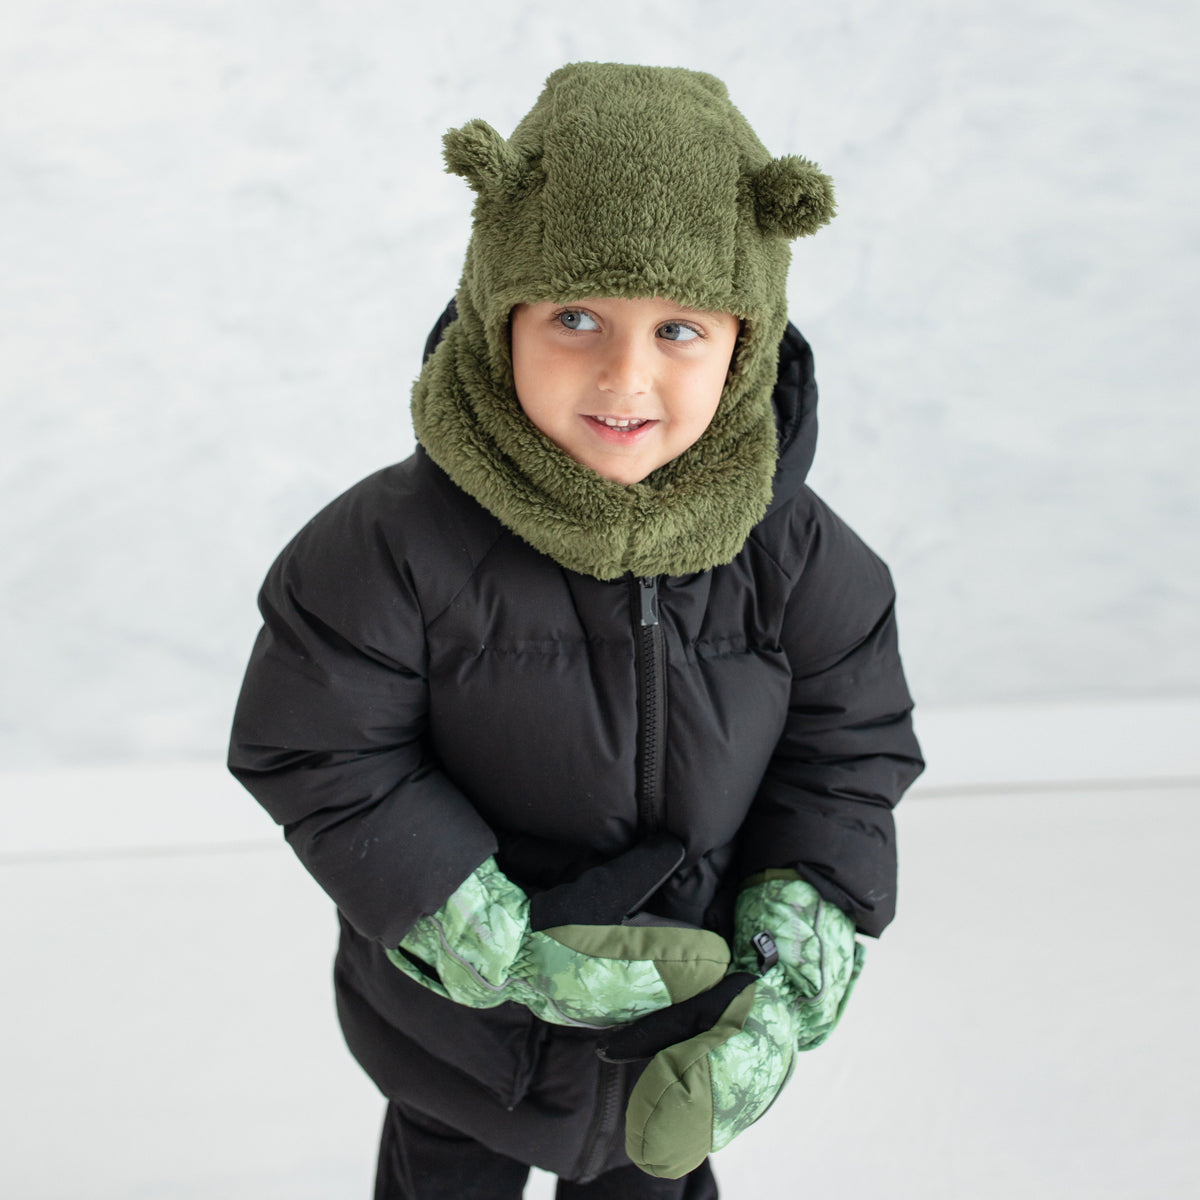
<point x="794" y="400"/>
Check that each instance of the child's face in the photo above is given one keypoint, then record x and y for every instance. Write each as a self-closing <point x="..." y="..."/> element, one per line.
<point x="623" y="386"/>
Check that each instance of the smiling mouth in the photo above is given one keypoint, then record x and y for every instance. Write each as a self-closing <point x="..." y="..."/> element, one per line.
<point x="621" y="422"/>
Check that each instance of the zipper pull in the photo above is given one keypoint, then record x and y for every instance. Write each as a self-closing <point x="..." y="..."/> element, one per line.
<point x="648" y="589"/>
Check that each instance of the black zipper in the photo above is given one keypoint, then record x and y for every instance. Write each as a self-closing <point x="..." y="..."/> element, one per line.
<point x="652" y="703"/>
<point x="652" y="709"/>
<point x="610" y="1096"/>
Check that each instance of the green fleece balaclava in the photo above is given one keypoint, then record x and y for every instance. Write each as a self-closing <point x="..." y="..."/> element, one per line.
<point x="634" y="182"/>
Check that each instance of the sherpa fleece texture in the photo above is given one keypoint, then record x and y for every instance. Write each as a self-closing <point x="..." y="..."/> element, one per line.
<point x="621" y="181"/>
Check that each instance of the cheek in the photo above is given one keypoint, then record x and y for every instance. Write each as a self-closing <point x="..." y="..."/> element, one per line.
<point x="542" y="393"/>
<point x="527" y="353"/>
<point x="547" y="377"/>
<point x="706" y="391"/>
<point x="530" y="377"/>
<point x="532" y="405"/>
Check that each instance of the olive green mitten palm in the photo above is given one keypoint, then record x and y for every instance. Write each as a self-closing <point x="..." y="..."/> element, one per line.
<point x="575" y="955"/>
<point x="795" y="962"/>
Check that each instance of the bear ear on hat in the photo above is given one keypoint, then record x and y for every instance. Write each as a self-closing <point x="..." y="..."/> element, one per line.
<point x="481" y="156"/>
<point x="792" y="197"/>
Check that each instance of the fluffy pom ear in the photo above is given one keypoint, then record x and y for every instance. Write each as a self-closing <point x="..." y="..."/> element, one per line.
<point x="792" y="197"/>
<point x="481" y="156"/>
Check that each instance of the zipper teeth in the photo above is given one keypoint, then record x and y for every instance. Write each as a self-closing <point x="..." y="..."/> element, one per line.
<point x="611" y="1076"/>
<point x="649" y="726"/>
<point x="646" y="624"/>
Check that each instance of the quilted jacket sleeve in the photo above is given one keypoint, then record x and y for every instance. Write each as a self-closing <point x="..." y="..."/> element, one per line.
<point x="847" y="752"/>
<point x="329" y="729"/>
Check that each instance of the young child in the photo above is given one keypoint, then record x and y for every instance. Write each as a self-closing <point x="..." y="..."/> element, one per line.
<point x="589" y="716"/>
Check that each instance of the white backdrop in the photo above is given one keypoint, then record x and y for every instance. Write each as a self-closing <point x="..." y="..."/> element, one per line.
<point x="225" y="231"/>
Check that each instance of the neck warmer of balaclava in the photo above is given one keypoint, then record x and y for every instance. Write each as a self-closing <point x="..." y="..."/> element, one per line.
<point x="633" y="182"/>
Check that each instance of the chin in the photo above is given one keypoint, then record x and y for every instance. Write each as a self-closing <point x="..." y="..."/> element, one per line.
<point x="625" y="478"/>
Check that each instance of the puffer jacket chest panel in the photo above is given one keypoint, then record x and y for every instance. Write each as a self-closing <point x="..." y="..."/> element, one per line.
<point x="733" y="608"/>
<point x="728" y="682"/>
<point x="533" y="699"/>
<point x="724" y="718"/>
<point x="533" y="684"/>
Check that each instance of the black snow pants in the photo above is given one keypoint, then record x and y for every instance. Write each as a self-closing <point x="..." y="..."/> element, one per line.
<point x="422" y="1159"/>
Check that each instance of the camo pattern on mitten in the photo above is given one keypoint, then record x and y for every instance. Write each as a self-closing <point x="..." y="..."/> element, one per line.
<point x="748" y="1072"/>
<point x="592" y="976"/>
<point x="696" y="1096"/>
<point x="473" y="939"/>
<point x="817" y="950"/>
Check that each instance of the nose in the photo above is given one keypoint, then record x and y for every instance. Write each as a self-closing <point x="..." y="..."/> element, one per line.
<point x="625" y="368"/>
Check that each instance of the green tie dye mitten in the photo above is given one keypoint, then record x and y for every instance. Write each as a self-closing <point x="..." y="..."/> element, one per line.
<point x="795" y="962"/>
<point x="566" y="954"/>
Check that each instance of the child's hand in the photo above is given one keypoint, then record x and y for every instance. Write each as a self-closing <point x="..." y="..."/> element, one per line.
<point x="718" y="1061"/>
<point x="566" y="955"/>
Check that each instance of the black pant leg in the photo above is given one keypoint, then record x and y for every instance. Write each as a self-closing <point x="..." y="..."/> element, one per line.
<point x="628" y="1183"/>
<point x="422" y="1159"/>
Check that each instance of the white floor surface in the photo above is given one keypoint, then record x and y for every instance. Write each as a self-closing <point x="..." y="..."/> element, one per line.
<point x="1026" y="1028"/>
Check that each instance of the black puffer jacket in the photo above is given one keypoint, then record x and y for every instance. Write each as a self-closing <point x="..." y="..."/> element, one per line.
<point x="428" y="690"/>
